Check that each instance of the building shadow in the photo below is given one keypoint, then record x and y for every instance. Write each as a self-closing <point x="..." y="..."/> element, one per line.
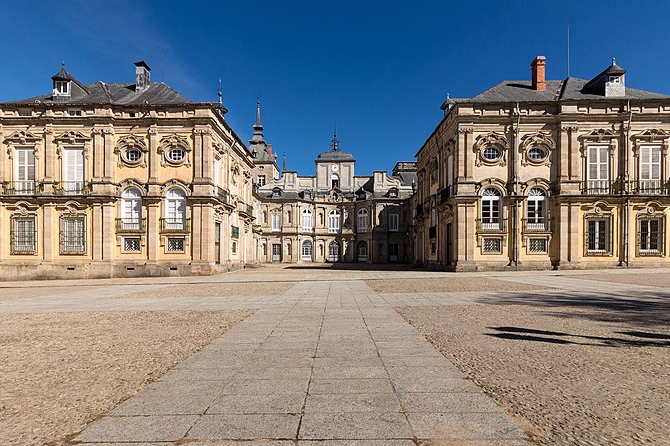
<point x="529" y="334"/>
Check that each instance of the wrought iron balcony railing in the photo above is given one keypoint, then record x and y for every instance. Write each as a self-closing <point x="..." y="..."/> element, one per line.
<point x="491" y="225"/>
<point x="222" y="194"/>
<point x="27" y="187"/>
<point x="536" y="225"/>
<point x="72" y="188"/>
<point x="175" y="225"/>
<point x="131" y="224"/>
<point x="651" y="187"/>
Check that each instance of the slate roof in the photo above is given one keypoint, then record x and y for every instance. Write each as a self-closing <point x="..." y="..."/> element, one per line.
<point x="335" y="155"/>
<point x="406" y="177"/>
<point x="570" y="89"/>
<point x="99" y="92"/>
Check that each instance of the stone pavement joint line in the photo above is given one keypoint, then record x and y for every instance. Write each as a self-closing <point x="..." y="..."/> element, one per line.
<point x="328" y="363"/>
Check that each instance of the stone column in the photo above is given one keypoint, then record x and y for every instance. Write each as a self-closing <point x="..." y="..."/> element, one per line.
<point x="154" y="159"/>
<point x="197" y="154"/>
<point x="50" y="234"/>
<point x="108" y="135"/>
<point x="563" y="154"/>
<point x="97" y="230"/>
<point x="98" y="154"/>
<point x="575" y="155"/>
<point x="153" y="230"/>
<point x="108" y="237"/>
<point x="564" y="234"/>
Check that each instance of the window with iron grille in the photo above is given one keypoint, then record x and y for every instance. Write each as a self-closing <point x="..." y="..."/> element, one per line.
<point x="650" y="236"/>
<point x="492" y="245"/>
<point x="73" y="235"/>
<point x="598" y="236"/>
<point x="23" y="235"/>
<point x="175" y="244"/>
<point x="132" y="244"/>
<point x="537" y="245"/>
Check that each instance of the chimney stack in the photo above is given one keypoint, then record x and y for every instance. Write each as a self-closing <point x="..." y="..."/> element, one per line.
<point x="537" y="72"/>
<point x="142" y="76"/>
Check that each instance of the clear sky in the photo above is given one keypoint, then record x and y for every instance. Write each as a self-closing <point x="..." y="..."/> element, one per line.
<point x="378" y="69"/>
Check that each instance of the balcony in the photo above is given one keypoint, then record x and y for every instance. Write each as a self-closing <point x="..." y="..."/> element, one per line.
<point x="131" y="225"/>
<point x="245" y="209"/>
<point x="222" y="194"/>
<point x="599" y="187"/>
<point x="445" y="194"/>
<point x="72" y="188"/>
<point x="235" y="232"/>
<point x="491" y="226"/>
<point x="28" y="187"/>
<point x="536" y="225"/>
<point x="650" y="187"/>
<point x="175" y="225"/>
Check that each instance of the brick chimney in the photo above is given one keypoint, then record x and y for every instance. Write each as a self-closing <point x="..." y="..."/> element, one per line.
<point x="537" y="73"/>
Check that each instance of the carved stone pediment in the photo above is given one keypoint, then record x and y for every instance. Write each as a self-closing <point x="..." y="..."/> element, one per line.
<point x="22" y="138"/>
<point x="600" y="135"/>
<point x="71" y="138"/>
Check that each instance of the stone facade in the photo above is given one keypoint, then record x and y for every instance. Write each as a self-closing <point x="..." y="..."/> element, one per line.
<point x="106" y="180"/>
<point x="541" y="174"/>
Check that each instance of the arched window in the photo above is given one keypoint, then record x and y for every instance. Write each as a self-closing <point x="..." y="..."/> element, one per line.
<point x="362" y="220"/>
<point x="289" y="217"/>
<point x="536" y="210"/>
<point x="307" y="251"/>
<point x="307" y="219"/>
<point x="334" y="251"/>
<point x="175" y="209"/>
<point x="335" y="181"/>
<point x="491" y="206"/>
<point x="131" y="209"/>
<point x="363" y="251"/>
<point x="334" y="221"/>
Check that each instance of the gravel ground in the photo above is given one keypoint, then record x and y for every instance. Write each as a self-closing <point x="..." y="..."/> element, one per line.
<point x="217" y="289"/>
<point x="571" y="374"/>
<point x="639" y="278"/>
<point x="447" y="284"/>
<point x="59" y="371"/>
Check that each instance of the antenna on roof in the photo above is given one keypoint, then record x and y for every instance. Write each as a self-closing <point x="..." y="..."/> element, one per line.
<point x="568" y="49"/>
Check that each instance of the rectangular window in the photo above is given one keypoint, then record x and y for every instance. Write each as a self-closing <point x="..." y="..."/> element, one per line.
<point x="598" y="236"/>
<point x="74" y="112"/>
<point x="175" y="244"/>
<point x="650" y="236"/>
<point x="25" y="171"/>
<point x="394" y="220"/>
<point x="598" y="170"/>
<point x="276" y="222"/>
<point x="307" y="221"/>
<point x="261" y="180"/>
<point x="73" y="171"/>
<point x="537" y="245"/>
<point x="23" y="235"/>
<point x="650" y="170"/>
<point x="132" y="244"/>
<point x="493" y="245"/>
<point x="333" y="222"/>
<point x="72" y="235"/>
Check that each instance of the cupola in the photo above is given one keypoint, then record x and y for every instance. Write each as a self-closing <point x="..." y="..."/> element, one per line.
<point x="62" y="85"/>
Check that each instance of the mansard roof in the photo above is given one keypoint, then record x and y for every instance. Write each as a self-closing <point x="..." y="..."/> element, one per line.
<point x="100" y="92"/>
<point x="335" y="155"/>
<point x="570" y="89"/>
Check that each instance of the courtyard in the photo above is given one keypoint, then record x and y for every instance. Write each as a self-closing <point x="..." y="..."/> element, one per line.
<point x="338" y="356"/>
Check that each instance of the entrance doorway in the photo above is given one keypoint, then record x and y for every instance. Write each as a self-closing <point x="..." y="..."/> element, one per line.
<point x="276" y="252"/>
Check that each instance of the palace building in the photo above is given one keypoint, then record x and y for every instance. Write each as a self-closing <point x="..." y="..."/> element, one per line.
<point x="543" y="173"/>
<point x="119" y="179"/>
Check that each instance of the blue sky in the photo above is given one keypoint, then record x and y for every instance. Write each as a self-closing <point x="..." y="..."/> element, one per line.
<point x="378" y="69"/>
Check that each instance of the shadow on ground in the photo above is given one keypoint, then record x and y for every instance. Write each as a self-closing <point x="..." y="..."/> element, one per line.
<point x="648" y="309"/>
<point x="554" y="337"/>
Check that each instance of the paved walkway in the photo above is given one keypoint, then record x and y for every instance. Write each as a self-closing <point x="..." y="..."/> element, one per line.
<point x="327" y="363"/>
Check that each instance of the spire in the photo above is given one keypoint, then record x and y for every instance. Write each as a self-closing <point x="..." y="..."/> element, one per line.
<point x="257" y="140"/>
<point x="283" y="162"/>
<point x="219" y="93"/>
<point x="335" y="143"/>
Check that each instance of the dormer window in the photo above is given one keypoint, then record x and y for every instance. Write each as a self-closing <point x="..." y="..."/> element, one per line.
<point x="393" y="192"/>
<point x="61" y="88"/>
<point x="276" y="192"/>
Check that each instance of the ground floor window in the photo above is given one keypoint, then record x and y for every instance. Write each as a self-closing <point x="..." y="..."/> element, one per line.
<point x="73" y="235"/>
<point x="175" y="244"/>
<point x="334" y="252"/>
<point x="131" y="244"/>
<point x="492" y="245"/>
<point x="537" y="245"/>
<point x="363" y="251"/>
<point x="598" y="236"/>
<point x="307" y="251"/>
<point x="393" y="252"/>
<point x="650" y="236"/>
<point x="23" y="235"/>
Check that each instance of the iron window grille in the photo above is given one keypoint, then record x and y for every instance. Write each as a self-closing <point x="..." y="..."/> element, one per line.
<point x="175" y="244"/>
<point x="650" y="236"/>
<point x="73" y="235"/>
<point x="23" y="235"/>
<point x="598" y="237"/>
<point x="132" y="244"/>
<point x="537" y="245"/>
<point x="492" y="245"/>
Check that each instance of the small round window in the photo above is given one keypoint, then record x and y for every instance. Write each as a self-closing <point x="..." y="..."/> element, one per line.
<point x="133" y="156"/>
<point x="537" y="154"/>
<point x="491" y="153"/>
<point x="176" y="155"/>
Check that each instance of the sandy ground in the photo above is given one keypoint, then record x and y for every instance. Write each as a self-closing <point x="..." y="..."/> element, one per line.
<point x="639" y="278"/>
<point x="576" y="376"/>
<point x="59" y="371"/>
<point x="217" y="289"/>
<point x="447" y="284"/>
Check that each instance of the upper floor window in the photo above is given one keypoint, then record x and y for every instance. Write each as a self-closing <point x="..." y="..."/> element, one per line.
<point x="176" y="155"/>
<point x="334" y="181"/>
<point x="261" y="180"/>
<point x="24" y="169"/>
<point x="491" y="153"/>
<point x="334" y="221"/>
<point x="598" y="169"/>
<point x="650" y="170"/>
<point x="276" y="221"/>
<point x="537" y="153"/>
<point x="491" y="207"/>
<point x="131" y="208"/>
<point x="393" y="192"/>
<point x="536" y="209"/>
<point x="73" y="170"/>
<point x="393" y="222"/>
<point x="307" y="219"/>
<point x="175" y="208"/>
<point x="61" y="88"/>
<point x="276" y="192"/>
<point x="362" y="220"/>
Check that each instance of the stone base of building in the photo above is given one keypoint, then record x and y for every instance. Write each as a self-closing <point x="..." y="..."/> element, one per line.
<point x="105" y="270"/>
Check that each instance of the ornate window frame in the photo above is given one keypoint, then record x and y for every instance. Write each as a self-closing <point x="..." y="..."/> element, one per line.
<point x="540" y="140"/>
<point x="491" y="140"/>
<point x="651" y="211"/>
<point x="171" y="143"/>
<point x="125" y="145"/>
<point x="600" y="210"/>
